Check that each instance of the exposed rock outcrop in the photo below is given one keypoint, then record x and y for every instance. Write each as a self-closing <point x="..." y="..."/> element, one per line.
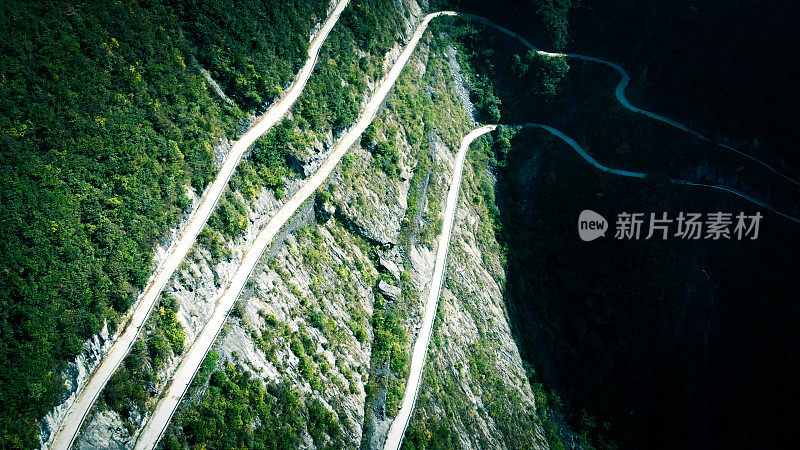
<point x="75" y="375"/>
<point x="215" y="86"/>
<point x="389" y="291"/>
<point x="221" y="150"/>
<point x="386" y="265"/>
<point x="105" y="430"/>
<point x="320" y="284"/>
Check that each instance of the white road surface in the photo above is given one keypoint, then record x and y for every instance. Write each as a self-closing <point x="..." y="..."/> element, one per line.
<point x="620" y="93"/>
<point x="197" y="351"/>
<point x="398" y="428"/>
<point x="79" y="409"/>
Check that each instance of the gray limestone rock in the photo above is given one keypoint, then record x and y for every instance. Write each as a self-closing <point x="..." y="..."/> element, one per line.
<point x="388" y="266"/>
<point x="389" y="291"/>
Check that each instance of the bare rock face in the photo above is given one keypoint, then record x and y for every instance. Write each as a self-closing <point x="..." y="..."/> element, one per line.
<point x="386" y="265"/>
<point x="105" y="430"/>
<point x="306" y="161"/>
<point x="389" y="291"/>
<point x="215" y="86"/>
<point x="369" y="202"/>
<point x="323" y="209"/>
<point x="322" y="300"/>
<point x="320" y="282"/>
<point x="473" y="333"/>
<point x="461" y="84"/>
<point x="75" y="375"/>
<point x="221" y="150"/>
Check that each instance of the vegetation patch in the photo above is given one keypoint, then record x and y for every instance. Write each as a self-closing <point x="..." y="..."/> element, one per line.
<point x="131" y="387"/>
<point x="240" y="411"/>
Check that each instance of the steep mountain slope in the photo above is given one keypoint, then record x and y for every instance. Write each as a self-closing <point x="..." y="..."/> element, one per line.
<point x="328" y="322"/>
<point x="652" y="344"/>
<point x="106" y="121"/>
<point x="643" y="346"/>
<point x="187" y="234"/>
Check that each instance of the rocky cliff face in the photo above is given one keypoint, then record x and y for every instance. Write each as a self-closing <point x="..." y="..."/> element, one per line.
<point x="475" y="392"/>
<point x="334" y="308"/>
<point x="75" y="375"/>
<point x="474" y="384"/>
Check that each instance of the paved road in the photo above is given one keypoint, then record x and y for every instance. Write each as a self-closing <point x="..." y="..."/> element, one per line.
<point x="627" y="173"/>
<point x="620" y="93"/>
<point x="79" y="409"/>
<point x="197" y="351"/>
<point x="398" y="428"/>
<point x="585" y="155"/>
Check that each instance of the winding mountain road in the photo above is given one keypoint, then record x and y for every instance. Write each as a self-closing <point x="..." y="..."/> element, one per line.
<point x="194" y="356"/>
<point x="397" y="430"/>
<point x="400" y="423"/>
<point x="619" y="91"/>
<point x="627" y="173"/>
<point x="192" y="359"/>
<point x="79" y="409"/>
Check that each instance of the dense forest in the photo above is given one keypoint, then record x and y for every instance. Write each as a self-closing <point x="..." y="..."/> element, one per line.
<point x="106" y="121"/>
<point x="253" y="49"/>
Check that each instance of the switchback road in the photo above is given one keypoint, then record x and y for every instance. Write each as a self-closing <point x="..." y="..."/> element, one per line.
<point x="80" y="407"/>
